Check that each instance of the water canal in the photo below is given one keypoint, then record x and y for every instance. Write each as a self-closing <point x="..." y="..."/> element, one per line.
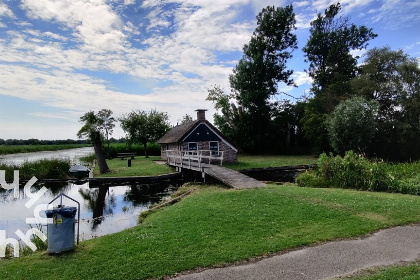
<point x="72" y="154"/>
<point x="104" y="210"/>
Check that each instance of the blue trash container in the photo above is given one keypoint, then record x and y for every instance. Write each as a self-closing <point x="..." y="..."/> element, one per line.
<point x="61" y="231"/>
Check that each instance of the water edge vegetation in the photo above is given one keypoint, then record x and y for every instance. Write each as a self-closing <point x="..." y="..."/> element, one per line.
<point x="14" y="149"/>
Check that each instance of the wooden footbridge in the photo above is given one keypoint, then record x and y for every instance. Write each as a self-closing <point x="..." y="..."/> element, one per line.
<point x="204" y="161"/>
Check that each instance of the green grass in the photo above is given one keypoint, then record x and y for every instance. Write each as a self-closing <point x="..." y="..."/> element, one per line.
<point x="41" y="169"/>
<point x="140" y="166"/>
<point x="356" y="172"/>
<point x="263" y="161"/>
<point x="410" y="271"/>
<point x="215" y="226"/>
<point x="14" y="149"/>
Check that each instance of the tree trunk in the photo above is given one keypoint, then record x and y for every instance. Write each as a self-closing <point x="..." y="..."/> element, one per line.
<point x="145" y="150"/>
<point x="100" y="158"/>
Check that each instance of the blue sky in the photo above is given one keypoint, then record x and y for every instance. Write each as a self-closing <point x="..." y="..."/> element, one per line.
<point x="62" y="58"/>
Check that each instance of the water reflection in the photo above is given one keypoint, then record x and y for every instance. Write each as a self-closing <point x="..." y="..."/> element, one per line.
<point x="72" y="154"/>
<point x="104" y="210"/>
<point x="95" y="201"/>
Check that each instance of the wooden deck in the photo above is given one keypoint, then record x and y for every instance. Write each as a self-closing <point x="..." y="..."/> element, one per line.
<point x="227" y="176"/>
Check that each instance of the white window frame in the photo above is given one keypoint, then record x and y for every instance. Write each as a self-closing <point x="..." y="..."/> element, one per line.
<point x="196" y="146"/>
<point x="214" y="152"/>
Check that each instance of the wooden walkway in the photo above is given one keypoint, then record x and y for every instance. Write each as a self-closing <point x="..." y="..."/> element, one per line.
<point x="227" y="176"/>
<point x="231" y="177"/>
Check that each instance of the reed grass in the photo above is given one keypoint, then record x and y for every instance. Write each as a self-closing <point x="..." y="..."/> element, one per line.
<point x="41" y="169"/>
<point x="14" y="149"/>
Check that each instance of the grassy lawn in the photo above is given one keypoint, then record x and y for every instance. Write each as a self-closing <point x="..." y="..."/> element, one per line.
<point x="214" y="226"/>
<point x="410" y="271"/>
<point x="140" y="166"/>
<point x="263" y="161"/>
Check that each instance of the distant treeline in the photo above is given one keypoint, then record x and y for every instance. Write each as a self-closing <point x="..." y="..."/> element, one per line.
<point x="51" y="142"/>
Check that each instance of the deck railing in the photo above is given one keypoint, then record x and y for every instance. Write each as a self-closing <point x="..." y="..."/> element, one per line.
<point x="194" y="158"/>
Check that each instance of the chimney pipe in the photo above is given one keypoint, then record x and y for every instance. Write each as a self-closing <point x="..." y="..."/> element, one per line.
<point x="201" y="114"/>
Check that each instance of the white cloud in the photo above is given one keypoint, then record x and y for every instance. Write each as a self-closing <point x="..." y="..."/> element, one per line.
<point x="303" y="21"/>
<point x="301" y="78"/>
<point x="347" y="5"/>
<point x="301" y="4"/>
<point x="5" y="11"/>
<point x="92" y="22"/>
<point x="396" y="14"/>
<point x="260" y="4"/>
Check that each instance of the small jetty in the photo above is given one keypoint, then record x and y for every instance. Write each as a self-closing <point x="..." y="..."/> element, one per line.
<point x="197" y="161"/>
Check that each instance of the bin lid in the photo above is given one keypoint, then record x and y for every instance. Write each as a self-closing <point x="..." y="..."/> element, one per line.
<point x="78" y="168"/>
<point x="68" y="212"/>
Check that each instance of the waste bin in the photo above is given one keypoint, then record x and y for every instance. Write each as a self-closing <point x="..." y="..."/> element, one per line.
<point x="129" y="162"/>
<point x="61" y="231"/>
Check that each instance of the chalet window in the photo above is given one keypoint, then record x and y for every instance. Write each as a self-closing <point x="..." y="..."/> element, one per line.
<point x="214" y="148"/>
<point x="192" y="146"/>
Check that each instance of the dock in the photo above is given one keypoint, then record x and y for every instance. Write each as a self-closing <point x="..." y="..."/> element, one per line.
<point x="197" y="161"/>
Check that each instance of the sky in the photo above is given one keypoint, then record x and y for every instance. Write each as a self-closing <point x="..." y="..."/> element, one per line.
<point x="62" y="58"/>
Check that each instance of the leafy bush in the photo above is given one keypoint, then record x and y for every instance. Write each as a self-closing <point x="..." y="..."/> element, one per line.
<point x="356" y="172"/>
<point x="352" y="124"/>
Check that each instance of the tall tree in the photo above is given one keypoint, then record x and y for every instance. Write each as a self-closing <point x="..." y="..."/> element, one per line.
<point x="91" y="129"/>
<point x="263" y="65"/>
<point x="328" y="51"/>
<point x="392" y="78"/>
<point x="142" y="127"/>
<point x="107" y="123"/>
<point x="186" y="119"/>
<point x="331" y="66"/>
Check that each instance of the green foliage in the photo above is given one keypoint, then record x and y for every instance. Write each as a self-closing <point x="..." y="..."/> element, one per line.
<point x="153" y="149"/>
<point x="353" y="124"/>
<point x="256" y="77"/>
<point x="266" y="161"/>
<point x="216" y="226"/>
<point x="186" y="119"/>
<point x="314" y="126"/>
<point x="144" y="127"/>
<point x="332" y="66"/>
<point x="356" y="172"/>
<point x="96" y="127"/>
<point x="328" y="51"/>
<point x="92" y="123"/>
<point x="41" y="169"/>
<point x="14" y="149"/>
<point x="392" y="79"/>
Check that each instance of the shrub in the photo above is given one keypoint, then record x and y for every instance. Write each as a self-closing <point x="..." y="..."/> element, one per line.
<point x="352" y="124"/>
<point x="356" y="172"/>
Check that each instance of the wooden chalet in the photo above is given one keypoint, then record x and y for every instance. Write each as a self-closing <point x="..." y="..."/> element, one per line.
<point x="198" y="136"/>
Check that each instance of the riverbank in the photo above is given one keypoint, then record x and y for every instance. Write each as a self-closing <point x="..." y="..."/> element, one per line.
<point x="153" y="166"/>
<point x="215" y="226"/>
<point x="15" y="149"/>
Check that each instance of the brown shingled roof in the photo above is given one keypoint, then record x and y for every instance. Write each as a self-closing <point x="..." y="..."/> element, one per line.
<point x="177" y="132"/>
